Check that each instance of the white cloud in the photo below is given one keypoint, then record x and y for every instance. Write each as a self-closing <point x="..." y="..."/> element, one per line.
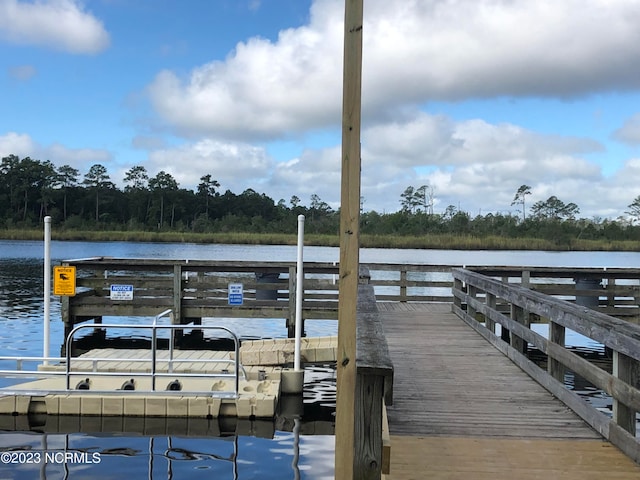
<point x="23" y="145"/>
<point x="473" y="159"/>
<point x="235" y="166"/>
<point x="262" y="89"/>
<point x="456" y="50"/>
<point x="414" y="52"/>
<point x="19" y="144"/>
<point x="315" y="172"/>
<point x="57" y="24"/>
<point x="76" y="157"/>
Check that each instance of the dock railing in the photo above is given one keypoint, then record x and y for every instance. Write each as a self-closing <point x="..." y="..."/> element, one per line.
<point x="374" y="387"/>
<point x="405" y="282"/>
<point x="612" y="291"/>
<point x="476" y="301"/>
<point x="194" y="289"/>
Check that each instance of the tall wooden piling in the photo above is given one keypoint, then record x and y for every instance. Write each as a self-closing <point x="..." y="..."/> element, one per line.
<point x="349" y="240"/>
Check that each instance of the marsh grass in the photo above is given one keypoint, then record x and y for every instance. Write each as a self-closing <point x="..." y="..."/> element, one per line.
<point x="446" y="242"/>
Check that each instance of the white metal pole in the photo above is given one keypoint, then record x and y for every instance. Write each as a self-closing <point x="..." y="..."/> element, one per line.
<point x="299" y="292"/>
<point x="47" y="287"/>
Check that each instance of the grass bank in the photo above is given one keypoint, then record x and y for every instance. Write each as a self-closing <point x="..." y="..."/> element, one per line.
<point x="448" y="242"/>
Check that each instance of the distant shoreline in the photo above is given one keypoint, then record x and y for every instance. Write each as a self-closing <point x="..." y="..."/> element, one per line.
<point x="439" y="241"/>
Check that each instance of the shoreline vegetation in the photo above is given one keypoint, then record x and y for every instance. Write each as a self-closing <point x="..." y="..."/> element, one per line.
<point x="427" y="241"/>
<point x="156" y="209"/>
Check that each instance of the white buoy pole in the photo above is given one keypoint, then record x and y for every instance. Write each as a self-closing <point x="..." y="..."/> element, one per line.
<point x="47" y="287"/>
<point x="299" y="292"/>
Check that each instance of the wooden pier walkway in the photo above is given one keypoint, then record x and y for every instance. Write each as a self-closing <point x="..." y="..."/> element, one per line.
<point x="462" y="410"/>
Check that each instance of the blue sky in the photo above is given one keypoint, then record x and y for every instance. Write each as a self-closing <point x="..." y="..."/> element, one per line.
<point x="473" y="98"/>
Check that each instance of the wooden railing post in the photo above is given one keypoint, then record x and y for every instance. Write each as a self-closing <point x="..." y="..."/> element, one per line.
<point x="491" y="303"/>
<point x="403" y="284"/>
<point x="457" y="287"/>
<point x="518" y="314"/>
<point x="177" y="293"/>
<point x="636" y="301"/>
<point x="626" y="369"/>
<point x="557" y="336"/>
<point x="526" y="314"/>
<point x="472" y="292"/>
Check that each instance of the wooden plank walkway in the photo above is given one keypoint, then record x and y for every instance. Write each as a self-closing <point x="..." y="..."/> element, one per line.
<point x="464" y="410"/>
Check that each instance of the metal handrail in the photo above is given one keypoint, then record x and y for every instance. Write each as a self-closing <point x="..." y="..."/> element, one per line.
<point x="21" y="371"/>
<point x="154" y="328"/>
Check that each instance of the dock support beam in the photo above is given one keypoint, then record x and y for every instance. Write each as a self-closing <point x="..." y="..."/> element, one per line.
<point x="345" y="460"/>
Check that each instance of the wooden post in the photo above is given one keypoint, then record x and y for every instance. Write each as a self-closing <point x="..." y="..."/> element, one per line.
<point x="556" y="335"/>
<point x="457" y="287"/>
<point x="349" y="241"/>
<point x="526" y="282"/>
<point x="403" y="284"/>
<point x="626" y="369"/>
<point x="491" y="303"/>
<point x="518" y="314"/>
<point x="636" y="300"/>
<point x="472" y="293"/>
<point x="368" y="426"/>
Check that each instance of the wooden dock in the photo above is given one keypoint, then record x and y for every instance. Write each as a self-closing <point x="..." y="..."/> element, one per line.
<point x="462" y="409"/>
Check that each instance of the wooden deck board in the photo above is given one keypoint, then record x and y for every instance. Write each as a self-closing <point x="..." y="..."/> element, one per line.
<point x="449" y="381"/>
<point x="461" y="409"/>
<point x="464" y="458"/>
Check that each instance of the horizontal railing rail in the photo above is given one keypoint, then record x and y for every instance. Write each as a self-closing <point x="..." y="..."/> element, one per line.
<point x="476" y="301"/>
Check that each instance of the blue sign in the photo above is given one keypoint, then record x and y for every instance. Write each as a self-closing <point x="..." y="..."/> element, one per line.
<point x="236" y="294"/>
<point x="121" y="292"/>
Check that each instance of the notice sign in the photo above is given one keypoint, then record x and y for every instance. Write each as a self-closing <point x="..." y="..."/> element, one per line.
<point x="64" y="281"/>
<point x="121" y="292"/>
<point x="236" y="294"/>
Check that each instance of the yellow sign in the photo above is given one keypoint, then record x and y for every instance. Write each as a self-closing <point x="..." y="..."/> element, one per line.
<point x="64" y="281"/>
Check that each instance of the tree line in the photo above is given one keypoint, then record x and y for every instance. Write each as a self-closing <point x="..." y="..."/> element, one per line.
<point x="30" y="189"/>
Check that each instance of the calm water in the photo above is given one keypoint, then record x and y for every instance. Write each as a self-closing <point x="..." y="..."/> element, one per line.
<point x="279" y="451"/>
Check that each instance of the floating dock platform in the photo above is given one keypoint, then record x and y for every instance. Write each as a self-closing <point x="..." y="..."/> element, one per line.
<point x="184" y="383"/>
